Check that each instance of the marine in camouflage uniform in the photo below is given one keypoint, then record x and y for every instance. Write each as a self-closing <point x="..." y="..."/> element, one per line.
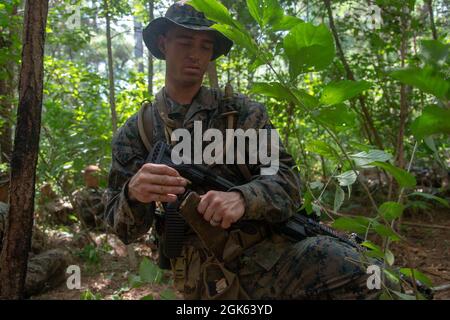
<point x="274" y="267"/>
<point x="89" y="201"/>
<point x="45" y="269"/>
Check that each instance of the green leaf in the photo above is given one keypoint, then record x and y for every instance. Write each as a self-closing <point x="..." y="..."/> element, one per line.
<point x="442" y="201"/>
<point x="362" y="159"/>
<point x="339" y="116"/>
<point x="147" y="297"/>
<point x="286" y="23"/>
<point x="272" y="12"/>
<point x="352" y="224"/>
<point x="308" y="48"/>
<point x="323" y="149"/>
<point x="417" y="275"/>
<point x="424" y="80"/>
<point x="347" y="178"/>
<point x="337" y="92"/>
<point x="391" y="210"/>
<point x="149" y="272"/>
<point x="404" y="179"/>
<point x="434" y="51"/>
<point x="385" y="231"/>
<point x="168" y="295"/>
<point x="375" y="251"/>
<point x="213" y="10"/>
<point x="339" y="197"/>
<point x="256" y="10"/>
<point x="273" y="90"/>
<point x="389" y="257"/>
<point x="236" y="35"/>
<point x="305" y="99"/>
<point x="278" y="91"/>
<point x="432" y="121"/>
<point x="307" y="203"/>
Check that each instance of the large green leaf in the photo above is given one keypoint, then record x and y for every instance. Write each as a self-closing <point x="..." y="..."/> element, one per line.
<point x="347" y="178"/>
<point x="339" y="117"/>
<point x="424" y="80"/>
<point x="273" y="90"/>
<point x="338" y="92"/>
<point x="364" y="158"/>
<point x="308" y="48"/>
<point x="265" y="12"/>
<point x="256" y="9"/>
<point x="433" y="120"/>
<point x="404" y="178"/>
<point x="339" y="197"/>
<point x="391" y="210"/>
<point x="240" y="38"/>
<point x="213" y="10"/>
<point x="323" y="149"/>
<point x="435" y="52"/>
<point x="149" y="272"/>
<point x="286" y="23"/>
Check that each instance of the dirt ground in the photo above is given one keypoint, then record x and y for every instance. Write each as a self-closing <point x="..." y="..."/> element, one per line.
<point x="106" y="270"/>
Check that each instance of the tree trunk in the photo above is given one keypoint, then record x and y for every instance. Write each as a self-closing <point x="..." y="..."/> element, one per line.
<point x="429" y="4"/>
<point x="138" y="46"/>
<point x="400" y="157"/>
<point x="212" y="75"/>
<point x="367" y="118"/>
<point x="17" y="241"/>
<point x="112" y="95"/>
<point x="150" y="56"/>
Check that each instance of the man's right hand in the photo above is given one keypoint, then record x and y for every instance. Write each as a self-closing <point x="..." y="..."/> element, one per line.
<point x="156" y="182"/>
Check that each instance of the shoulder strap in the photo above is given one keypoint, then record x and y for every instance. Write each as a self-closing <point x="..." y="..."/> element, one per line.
<point x="145" y="124"/>
<point x="231" y="124"/>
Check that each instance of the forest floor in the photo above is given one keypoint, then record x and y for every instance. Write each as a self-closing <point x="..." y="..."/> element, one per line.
<point x="106" y="271"/>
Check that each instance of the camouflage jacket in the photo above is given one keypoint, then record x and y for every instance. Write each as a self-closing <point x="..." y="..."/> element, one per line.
<point x="89" y="204"/>
<point x="270" y="198"/>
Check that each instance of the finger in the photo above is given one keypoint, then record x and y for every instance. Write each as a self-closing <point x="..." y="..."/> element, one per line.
<point x="203" y="204"/>
<point x="164" y="180"/>
<point x="163" y="198"/>
<point x="212" y="210"/>
<point x="226" y="222"/>
<point x="160" y="169"/>
<point x="161" y="189"/>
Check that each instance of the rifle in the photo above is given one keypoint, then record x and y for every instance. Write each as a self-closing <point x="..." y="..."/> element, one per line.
<point x="173" y="226"/>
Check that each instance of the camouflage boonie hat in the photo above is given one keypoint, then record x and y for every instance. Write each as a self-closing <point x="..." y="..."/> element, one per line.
<point x="185" y="16"/>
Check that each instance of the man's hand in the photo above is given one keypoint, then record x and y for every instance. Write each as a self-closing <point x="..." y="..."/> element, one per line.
<point x="156" y="182"/>
<point x="222" y="208"/>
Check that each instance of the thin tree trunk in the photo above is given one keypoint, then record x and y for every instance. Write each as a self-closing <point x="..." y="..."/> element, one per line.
<point x="212" y="75"/>
<point x="138" y="45"/>
<point x="17" y="241"/>
<point x="433" y="26"/>
<point x="350" y="76"/>
<point x="403" y="90"/>
<point x="112" y="95"/>
<point x="150" y="56"/>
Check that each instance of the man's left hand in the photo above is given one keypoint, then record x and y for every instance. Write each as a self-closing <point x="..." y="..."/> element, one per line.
<point x="222" y="208"/>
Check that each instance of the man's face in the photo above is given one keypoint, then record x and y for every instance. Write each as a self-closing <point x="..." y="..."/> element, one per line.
<point x="187" y="54"/>
<point x="91" y="179"/>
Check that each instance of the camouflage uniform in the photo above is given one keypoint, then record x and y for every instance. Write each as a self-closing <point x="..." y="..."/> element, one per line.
<point x="90" y="206"/>
<point x="318" y="267"/>
<point x="45" y="270"/>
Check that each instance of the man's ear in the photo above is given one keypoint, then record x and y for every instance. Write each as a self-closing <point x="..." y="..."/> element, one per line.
<point x="162" y="44"/>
